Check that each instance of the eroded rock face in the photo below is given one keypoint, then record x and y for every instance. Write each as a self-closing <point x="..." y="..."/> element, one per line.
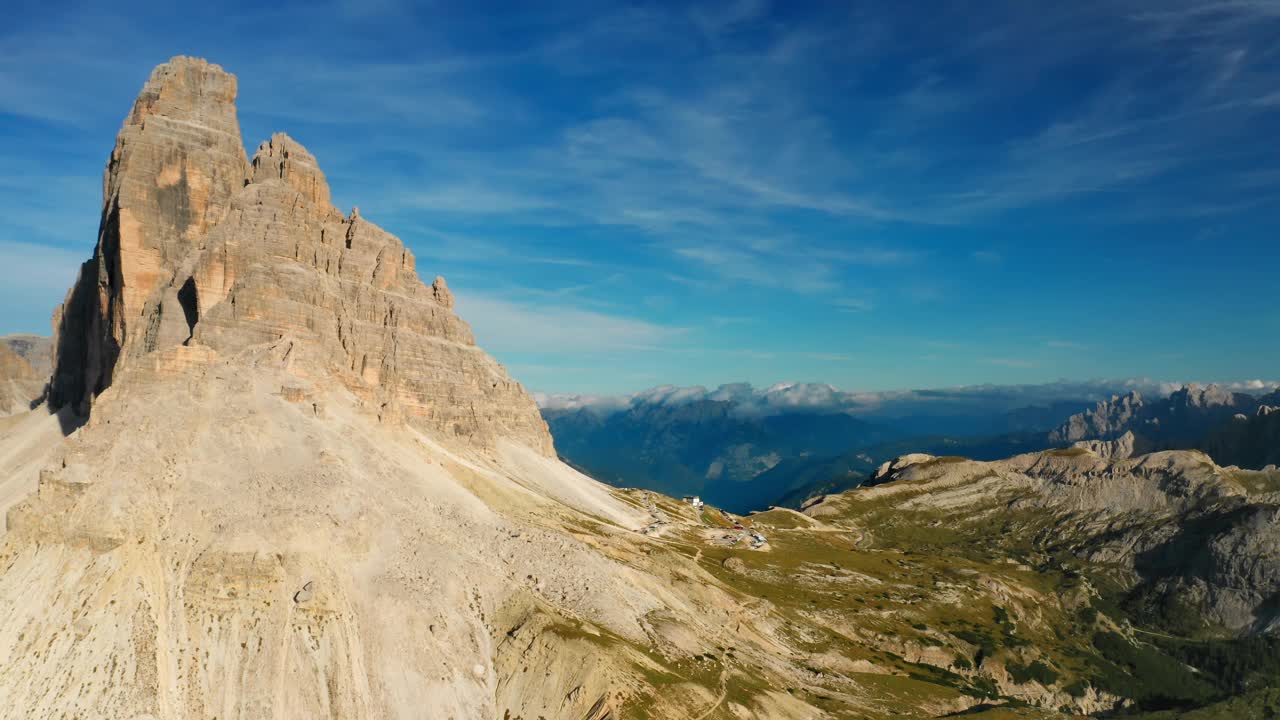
<point x="177" y="161"/>
<point x="1178" y="421"/>
<point x="1107" y="420"/>
<point x="1118" y="449"/>
<point x="200" y="246"/>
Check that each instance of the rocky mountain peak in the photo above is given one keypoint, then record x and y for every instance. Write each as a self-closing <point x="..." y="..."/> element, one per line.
<point x="1107" y="420"/>
<point x="1208" y="396"/>
<point x="285" y="159"/>
<point x="199" y="247"/>
<point x="440" y="291"/>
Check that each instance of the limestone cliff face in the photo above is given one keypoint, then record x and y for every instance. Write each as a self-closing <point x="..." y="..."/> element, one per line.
<point x="177" y="161"/>
<point x="201" y="247"/>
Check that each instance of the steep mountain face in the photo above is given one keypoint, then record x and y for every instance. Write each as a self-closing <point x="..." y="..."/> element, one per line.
<point x="1230" y="426"/>
<point x="201" y="248"/>
<point x="1108" y="419"/>
<point x="1251" y="441"/>
<point x="1186" y="416"/>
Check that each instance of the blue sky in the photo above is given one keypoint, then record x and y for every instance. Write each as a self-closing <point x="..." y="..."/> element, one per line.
<point x="875" y="196"/>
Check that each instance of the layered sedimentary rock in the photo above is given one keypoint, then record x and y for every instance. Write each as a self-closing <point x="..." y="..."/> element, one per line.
<point x="201" y="247"/>
<point x="1118" y="449"/>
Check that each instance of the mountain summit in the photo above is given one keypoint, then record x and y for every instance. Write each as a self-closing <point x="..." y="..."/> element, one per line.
<point x="202" y="252"/>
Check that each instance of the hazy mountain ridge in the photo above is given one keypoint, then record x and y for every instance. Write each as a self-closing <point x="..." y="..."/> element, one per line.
<point x="1235" y="428"/>
<point x="748" y="449"/>
<point x="700" y="447"/>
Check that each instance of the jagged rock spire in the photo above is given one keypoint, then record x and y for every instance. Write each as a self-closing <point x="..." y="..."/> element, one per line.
<point x="177" y="161"/>
<point x="200" y="246"/>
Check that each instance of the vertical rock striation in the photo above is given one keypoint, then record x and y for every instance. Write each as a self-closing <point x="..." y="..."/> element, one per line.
<point x="199" y="246"/>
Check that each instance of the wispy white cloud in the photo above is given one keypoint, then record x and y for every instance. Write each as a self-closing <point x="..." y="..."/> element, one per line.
<point x="791" y="397"/>
<point x="501" y="325"/>
<point x="1010" y="362"/>
<point x="853" y="305"/>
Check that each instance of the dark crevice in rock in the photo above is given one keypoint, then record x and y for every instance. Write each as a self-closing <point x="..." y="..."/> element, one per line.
<point x="190" y="305"/>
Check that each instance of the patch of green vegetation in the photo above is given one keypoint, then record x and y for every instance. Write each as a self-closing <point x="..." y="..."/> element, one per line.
<point x="944" y="460"/>
<point x="781" y="519"/>
<point x="1262" y="704"/>
<point x="1143" y="673"/>
<point x="1067" y="452"/>
<point x="895" y="575"/>
<point x="1077" y="688"/>
<point x="1236" y="665"/>
<point x="1037" y="671"/>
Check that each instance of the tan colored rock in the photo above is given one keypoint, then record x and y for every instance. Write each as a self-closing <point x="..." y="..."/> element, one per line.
<point x="20" y="384"/>
<point x="199" y="246"/>
<point x="177" y="162"/>
<point x="1118" y="449"/>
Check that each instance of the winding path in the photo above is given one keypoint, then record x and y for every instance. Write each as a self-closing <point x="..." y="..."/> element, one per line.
<point x="724" y="691"/>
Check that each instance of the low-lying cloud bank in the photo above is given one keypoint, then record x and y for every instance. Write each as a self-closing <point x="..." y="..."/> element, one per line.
<point x="783" y="398"/>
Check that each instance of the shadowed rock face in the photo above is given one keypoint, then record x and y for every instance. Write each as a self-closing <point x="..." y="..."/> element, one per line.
<point x="200" y="246"/>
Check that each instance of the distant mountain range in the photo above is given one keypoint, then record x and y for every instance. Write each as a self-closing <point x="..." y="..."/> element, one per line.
<point x="748" y="449"/>
<point x="1235" y="428"/>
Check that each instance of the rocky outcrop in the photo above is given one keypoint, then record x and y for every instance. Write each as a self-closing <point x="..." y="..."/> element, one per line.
<point x="177" y="161"/>
<point x="201" y="247"/>
<point x="1200" y="417"/>
<point x="1118" y="449"/>
<point x="1250" y="442"/>
<point x="1108" y="419"/>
